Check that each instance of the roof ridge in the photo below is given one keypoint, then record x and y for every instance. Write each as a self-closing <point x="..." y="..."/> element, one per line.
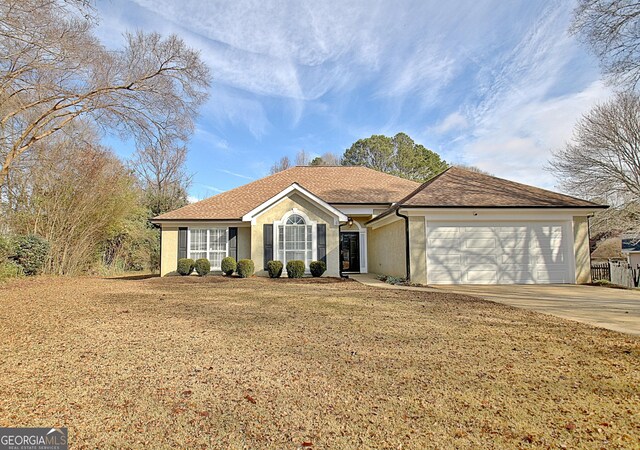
<point x="331" y="183"/>
<point x="396" y="206"/>
<point x="521" y="184"/>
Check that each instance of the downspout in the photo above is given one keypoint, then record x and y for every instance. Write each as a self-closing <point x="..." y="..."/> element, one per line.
<point x="340" y="251"/>
<point x="406" y="237"/>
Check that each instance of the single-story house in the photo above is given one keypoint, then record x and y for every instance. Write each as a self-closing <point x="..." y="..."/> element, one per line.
<point x="631" y="249"/>
<point x="459" y="227"/>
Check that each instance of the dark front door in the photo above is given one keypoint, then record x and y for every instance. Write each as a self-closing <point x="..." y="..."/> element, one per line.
<point x="350" y="252"/>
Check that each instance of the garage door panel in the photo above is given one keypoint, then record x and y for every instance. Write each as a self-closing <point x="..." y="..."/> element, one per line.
<point x="481" y="276"/>
<point x="479" y="243"/>
<point x="514" y="258"/>
<point x="508" y="252"/>
<point x="546" y="242"/>
<point x="516" y="277"/>
<point x="479" y="259"/>
<point x="444" y="277"/>
<point x="507" y="230"/>
<point x="552" y="277"/>
<point x="515" y="268"/>
<point x="444" y="242"/>
<point x="448" y="259"/>
<point x="479" y="229"/>
<point x="550" y="259"/>
<point x="444" y="232"/>
<point x="441" y="250"/>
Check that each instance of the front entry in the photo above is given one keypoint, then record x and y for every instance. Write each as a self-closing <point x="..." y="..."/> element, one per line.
<point x="350" y="252"/>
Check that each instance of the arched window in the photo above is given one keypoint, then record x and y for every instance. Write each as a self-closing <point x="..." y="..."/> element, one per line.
<point x="295" y="219"/>
<point x="295" y="240"/>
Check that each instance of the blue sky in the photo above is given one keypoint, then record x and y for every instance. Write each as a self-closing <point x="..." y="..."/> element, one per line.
<point x="495" y="84"/>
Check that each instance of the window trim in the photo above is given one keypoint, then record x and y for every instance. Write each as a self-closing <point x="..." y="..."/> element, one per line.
<point x="314" y="238"/>
<point x="208" y="251"/>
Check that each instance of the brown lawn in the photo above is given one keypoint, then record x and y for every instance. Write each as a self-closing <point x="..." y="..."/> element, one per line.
<point x="257" y="363"/>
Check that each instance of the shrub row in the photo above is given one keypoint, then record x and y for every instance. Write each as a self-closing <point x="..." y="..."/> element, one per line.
<point x="295" y="268"/>
<point x="244" y="268"/>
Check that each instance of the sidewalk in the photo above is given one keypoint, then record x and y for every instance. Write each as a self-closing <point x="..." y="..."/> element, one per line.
<point x="369" y="279"/>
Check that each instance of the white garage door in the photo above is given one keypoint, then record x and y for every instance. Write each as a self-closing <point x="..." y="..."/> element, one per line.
<point x="503" y="253"/>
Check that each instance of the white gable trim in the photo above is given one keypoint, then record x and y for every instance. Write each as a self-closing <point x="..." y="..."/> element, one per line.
<point x="295" y="187"/>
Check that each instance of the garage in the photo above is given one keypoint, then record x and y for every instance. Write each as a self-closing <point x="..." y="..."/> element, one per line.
<point x="499" y="252"/>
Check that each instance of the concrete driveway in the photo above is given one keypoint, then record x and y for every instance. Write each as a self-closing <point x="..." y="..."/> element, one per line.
<point x="615" y="309"/>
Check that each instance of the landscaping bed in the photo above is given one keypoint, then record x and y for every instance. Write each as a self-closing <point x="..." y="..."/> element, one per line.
<point x="224" y="362"/>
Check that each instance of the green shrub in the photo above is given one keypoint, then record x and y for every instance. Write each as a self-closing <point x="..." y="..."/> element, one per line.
<point x="202" y="266"/>
<point x="6" y="247"/>
<point x="245" y="268"/>
<point x="31" y="253"/>
<point x="317" y="268"/>
<point x="10" y="269"/>
<point x="185" y="266"/>
<point x="274" y="268"/>
<point x="295" y="269"/>
<point x="228" y="265"/>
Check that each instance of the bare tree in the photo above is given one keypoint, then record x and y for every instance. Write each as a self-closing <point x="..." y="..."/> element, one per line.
<point x="162" y="173"/>
<point x="53" y="71"/>
<point x="612" y="30"/>
<point x="73" y="194"/>
<point x="602" y="161"/>
<point x="603" y="158"/>
<point x="474" y="169"/>
<point x="327" y="159"/>
<point x="302" y="158"/>
<point x="282" y="164"/>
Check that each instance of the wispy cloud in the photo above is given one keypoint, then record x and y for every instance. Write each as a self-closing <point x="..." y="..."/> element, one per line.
<point x="239" y="175"/>
<point x="454" y="121"/>
<point x="211" y="188"/>
<point x="495" y="84"/>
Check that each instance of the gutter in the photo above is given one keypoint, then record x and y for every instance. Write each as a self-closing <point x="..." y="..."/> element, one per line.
<point x="406" y="237"/>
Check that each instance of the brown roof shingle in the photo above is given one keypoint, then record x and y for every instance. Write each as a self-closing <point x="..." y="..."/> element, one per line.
<point x="333" y="184"/>
<point x="457" y="187"/>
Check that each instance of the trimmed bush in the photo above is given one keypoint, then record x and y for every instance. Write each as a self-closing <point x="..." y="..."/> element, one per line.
<point x="245" y="268"/>
<point x="228" y="265"/>
<point x="31" y="253"/>
<point x="317" y="268"/>
<point x="10" y="269"/>
<point x="295" y="269"/>
<point x="185" y="266"/>
<point x="202" y="266"/>
<point x="274" y="268"/>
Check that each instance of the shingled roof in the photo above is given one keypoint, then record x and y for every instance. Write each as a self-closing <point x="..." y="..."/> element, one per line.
<point x="333" y="184"/>
<point x="463" y="188"/>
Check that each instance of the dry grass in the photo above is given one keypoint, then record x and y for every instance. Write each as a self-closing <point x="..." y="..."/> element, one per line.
<point x="257" y="363"/>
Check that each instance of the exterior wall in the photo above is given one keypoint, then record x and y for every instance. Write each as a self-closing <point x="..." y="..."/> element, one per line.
<point x="244" y="243"/>
<point x="314" y="213"/>
<point x="169" y="250"/>
<point x="387" y="250"/>
<point x="169" y="247"/>
<point x="581" y="249"/>
<point x="418" y="249"/>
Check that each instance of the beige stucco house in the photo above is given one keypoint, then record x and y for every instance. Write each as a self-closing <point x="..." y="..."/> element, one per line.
<point x="459" y="227"/>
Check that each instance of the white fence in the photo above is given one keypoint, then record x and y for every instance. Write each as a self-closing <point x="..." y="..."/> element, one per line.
<point x="617" y="272"/>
